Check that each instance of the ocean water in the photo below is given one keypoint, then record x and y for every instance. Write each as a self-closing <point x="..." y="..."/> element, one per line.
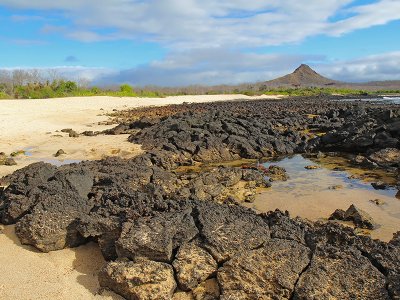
<point x="394" y="100"/>
<point x="384" y="100"/>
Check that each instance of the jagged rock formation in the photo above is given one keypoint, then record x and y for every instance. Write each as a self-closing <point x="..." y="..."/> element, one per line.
<point x="160" y="229"/>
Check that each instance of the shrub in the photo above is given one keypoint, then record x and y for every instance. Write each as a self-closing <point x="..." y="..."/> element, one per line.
<point x="126" y="88"/>
<point x="4" y="96"/>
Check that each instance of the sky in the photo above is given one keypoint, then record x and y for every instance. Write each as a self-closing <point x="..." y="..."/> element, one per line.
<point x="207" y="42"/>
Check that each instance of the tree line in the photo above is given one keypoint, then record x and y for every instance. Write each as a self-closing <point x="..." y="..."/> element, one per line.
<point x="35" y="84"/>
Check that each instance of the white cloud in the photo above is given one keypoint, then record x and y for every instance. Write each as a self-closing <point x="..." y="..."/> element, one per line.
<point x="209" y="67"/>
<point x="367" y="16"/>
<point x="385" y="66"/>
<point x="213" y="23"/>
<point x="218" y="66"/>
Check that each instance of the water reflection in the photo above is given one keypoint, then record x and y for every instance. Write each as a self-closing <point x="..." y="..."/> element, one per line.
<point x="309" y="193"/>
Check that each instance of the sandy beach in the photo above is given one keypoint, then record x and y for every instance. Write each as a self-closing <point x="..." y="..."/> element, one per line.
<point x="34" y="126"/>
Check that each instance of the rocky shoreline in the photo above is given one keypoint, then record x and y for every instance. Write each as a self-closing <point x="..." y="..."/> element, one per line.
<point x="179" y="235"/>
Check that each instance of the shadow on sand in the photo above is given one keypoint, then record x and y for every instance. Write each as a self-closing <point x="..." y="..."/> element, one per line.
<point x="89" y="261"/>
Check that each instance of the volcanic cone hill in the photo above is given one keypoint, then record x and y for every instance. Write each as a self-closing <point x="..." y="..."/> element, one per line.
<point x="303" y="76"/>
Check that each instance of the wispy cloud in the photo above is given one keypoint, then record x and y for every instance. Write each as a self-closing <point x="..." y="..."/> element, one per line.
<point x="384" y="66"/>
<point x="213" y="23"/>
<point x="214" y="67"/>
<point x="210" y="67"/>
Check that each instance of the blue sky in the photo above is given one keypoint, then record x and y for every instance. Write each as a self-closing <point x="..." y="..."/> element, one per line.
<point x="180" y="42"/>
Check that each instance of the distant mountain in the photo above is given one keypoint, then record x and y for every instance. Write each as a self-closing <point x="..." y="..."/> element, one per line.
<point x="303" y="76"/>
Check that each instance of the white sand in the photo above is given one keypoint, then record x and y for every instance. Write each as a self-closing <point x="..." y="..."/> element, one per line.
<point x="68" y="274"/>
<point x="34" y="125"/>
<point x="25" y="125"/>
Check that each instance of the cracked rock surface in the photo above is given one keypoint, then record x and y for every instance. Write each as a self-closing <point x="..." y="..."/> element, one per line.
<point x="179" y="235"/>
<point x="270" y="272"/>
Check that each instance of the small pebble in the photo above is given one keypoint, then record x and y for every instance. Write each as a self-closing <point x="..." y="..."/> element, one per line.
<point x="336" y="187"/>
<point x="59" y="152"/>
<point x="339" y="169"/>
<point x="378" y="202"/>
<point x="10" y="162"/>
<point x="311" y="167"/>
<point x="380" y="185"/>
<point x="73" y="134"/>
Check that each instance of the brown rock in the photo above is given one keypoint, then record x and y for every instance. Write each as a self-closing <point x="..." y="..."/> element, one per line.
<point x="156" y="237"/>
<point x="276" y="173"/>
<point x="66" y="130"/>
<point x="10" y="162"/>
<point x="49" y="231"/>
<point x="338" y="214"/>
<point x="338" y="275"/>
<point x="266" y="273"/>
<point x="378" y="202"/>
<point x="311" y="167"/>
<point x="193" y="265"/>
<point x="73" y="134"/>
<point x="208" y="290"/>
<point x="386" y="157"/>
<point x="59" y="153"/>
<point x="139" y="280"/>
<point x="88" y="133"/>
<point x="359" y="217"/>
<point x="183" y="296"/>
<point x="336" y="187"/>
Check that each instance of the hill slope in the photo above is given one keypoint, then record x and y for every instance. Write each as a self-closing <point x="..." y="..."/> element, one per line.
<point x="303" y="76"/>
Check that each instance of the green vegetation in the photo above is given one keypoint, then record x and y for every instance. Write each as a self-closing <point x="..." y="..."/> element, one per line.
<point x="62" y="88"/>
<point x="4" y="95"/>
<point x="66" y="88"/>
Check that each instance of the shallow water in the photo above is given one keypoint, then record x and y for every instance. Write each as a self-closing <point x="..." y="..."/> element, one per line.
<point x="393" y="100"/>
<point x="60" y="162"/>
<point x="384" y="100"/>
<point x="309" y="193"/>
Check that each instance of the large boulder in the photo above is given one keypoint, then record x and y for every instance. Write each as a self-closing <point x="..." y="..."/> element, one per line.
<point x="228" y="230"/>
<point x="144" y="280"/>
<point x="19" y="196"/>
<point x="338" y="274"/>
<point x="156" y="237"/>
<point x="270" y="272"/>
<point x="50" y="231"/>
